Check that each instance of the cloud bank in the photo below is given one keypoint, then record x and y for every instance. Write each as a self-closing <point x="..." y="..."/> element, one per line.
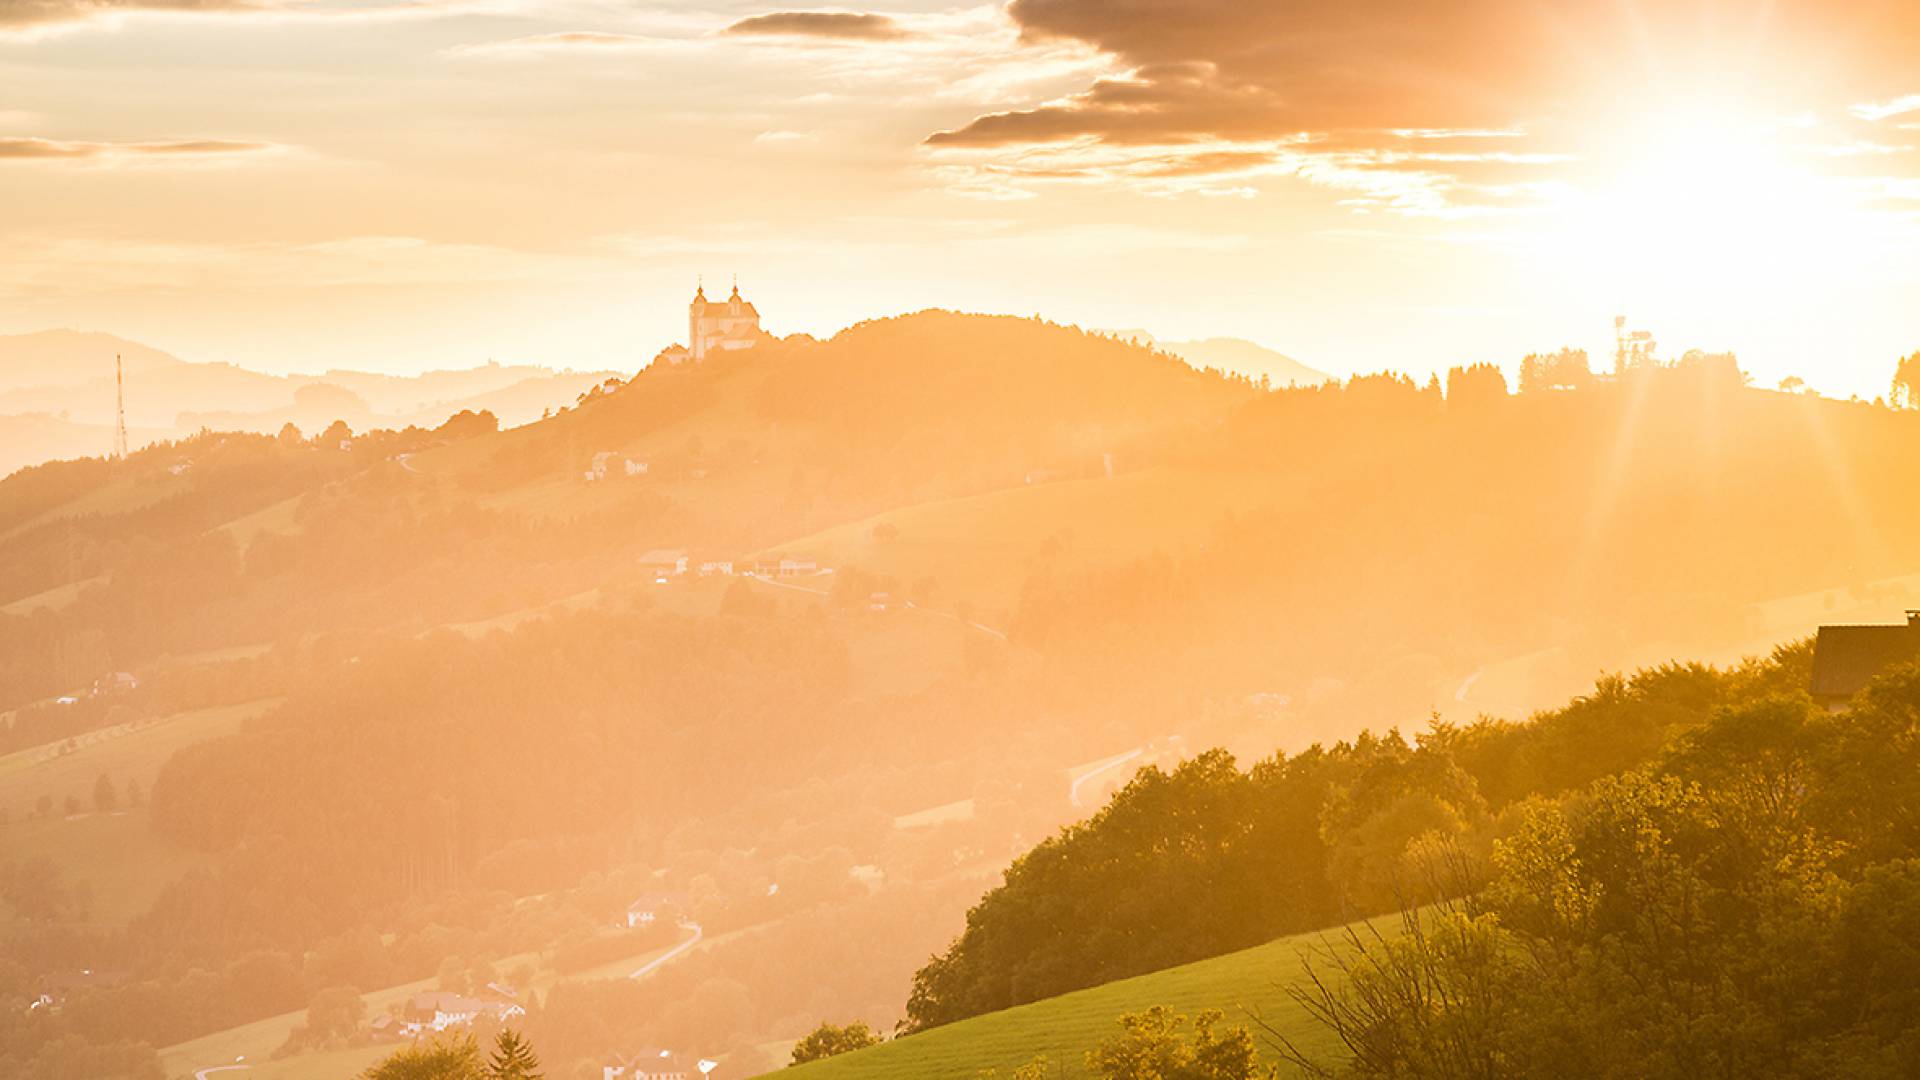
<point x="1367" y="81"/>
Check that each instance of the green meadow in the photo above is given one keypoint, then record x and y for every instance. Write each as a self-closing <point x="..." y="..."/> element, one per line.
<point x="1252" y="983"/>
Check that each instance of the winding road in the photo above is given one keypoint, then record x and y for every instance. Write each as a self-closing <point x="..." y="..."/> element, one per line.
<point x="1461" y="694"/>
<point x="1107" y="766"/>
<point x="649" y="967"/>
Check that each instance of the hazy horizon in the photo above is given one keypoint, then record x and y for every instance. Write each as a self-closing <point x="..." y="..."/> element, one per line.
<point x="402" y="186"/>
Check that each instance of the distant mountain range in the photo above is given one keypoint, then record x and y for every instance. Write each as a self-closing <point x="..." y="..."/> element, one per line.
<point x="1235" y="355"/>
<point x="57" y="392"/>
<point x="57" y="395"/>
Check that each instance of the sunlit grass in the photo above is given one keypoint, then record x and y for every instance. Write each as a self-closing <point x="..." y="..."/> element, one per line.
<point x="1252" y="982"/>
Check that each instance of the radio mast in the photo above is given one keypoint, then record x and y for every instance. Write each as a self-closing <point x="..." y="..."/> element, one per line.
<point x="120" y="410"/>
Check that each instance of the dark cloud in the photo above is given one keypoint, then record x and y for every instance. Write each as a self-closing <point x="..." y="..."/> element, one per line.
<point x="1208" y="70"/>
<point x="21" y="148"/>
<point x="820" y="24"/>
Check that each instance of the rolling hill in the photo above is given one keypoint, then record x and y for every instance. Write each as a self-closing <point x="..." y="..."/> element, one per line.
<point x="1247" y="358"/>
<point x="69" y="358"/>
<point x="1236" y="355"/>
<point x="1242" y="985"/>
<point x="57" y="395"/>
<point x="1034" y="547"/>
<point x="269" y="566"/>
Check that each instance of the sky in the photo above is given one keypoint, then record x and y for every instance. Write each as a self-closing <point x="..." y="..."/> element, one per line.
<point x="408" y="184"/>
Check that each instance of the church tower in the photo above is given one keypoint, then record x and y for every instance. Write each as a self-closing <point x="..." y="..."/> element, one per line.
<point x="714" y="326"/>
<point x="697" y="314"/>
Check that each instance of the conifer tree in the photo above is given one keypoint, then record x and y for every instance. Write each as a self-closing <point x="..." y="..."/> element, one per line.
<point x="513" y="1058"/>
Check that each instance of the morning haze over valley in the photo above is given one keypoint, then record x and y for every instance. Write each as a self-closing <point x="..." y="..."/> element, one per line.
<point x="1056" y="540"/>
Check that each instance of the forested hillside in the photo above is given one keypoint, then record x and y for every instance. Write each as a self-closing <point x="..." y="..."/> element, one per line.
<point x="1208" y="858"/>
<point x="1690" y="872"/>
<point x="817" y="637"/>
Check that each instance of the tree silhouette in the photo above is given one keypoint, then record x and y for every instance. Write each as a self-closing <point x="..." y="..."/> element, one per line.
<point x="1155" y="1048"/>
<point x="1906" y="382"/>
<point x="449" y="1059"/>
<point x="513" y="1058"/>
<point x="828" y="1040"/>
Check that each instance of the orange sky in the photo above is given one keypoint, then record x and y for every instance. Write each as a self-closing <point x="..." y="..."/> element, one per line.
<point x="401" y="184"/>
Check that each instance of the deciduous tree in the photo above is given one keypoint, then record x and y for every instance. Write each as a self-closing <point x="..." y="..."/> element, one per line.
<point x="827" y="1040"/>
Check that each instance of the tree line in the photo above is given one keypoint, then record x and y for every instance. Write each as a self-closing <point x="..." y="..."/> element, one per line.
<point x="1209" y="858"/>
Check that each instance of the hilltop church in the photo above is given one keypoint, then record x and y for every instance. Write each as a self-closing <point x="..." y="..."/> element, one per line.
<point x="717" y="326"/>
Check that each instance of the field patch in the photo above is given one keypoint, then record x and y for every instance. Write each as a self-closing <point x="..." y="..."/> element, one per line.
<point x="121" y="753"/>
<point x="123" y="864"/>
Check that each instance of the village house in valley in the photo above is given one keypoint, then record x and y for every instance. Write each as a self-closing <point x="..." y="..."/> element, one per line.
<point x="663" y="563"/>
<point x="660" y="564"/>
<point x="438" y="1010"/>
<point x="784" y="566"/>
<point x="656" y="1065"/>
<point x="657" y="907"/>
<point x="608" y="463"/>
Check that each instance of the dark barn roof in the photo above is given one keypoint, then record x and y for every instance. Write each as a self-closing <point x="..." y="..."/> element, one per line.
<point x="1846" y="658"/>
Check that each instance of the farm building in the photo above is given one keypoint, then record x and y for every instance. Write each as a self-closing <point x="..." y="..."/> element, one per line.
<point x="1847" y="658"/>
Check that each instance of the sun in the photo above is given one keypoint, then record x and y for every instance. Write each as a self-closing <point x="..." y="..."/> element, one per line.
<point x="1706" y="181"/>
<point x="1707" y="211"/>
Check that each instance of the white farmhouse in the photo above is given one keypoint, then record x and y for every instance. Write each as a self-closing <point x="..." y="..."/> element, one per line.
<point x="663" y="563"/>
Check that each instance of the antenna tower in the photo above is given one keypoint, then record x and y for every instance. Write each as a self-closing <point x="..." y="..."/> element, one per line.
<point x="120" y="410"/>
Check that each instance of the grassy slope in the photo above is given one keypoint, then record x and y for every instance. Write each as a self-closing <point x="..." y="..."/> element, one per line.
<point x="278" y="517"/>
<point x="981" y="548"/>
<point x="122" y="752"/>
<point x="1253" y="981"/>
<point x="258" y="1040"/>
<point x="119" y="496"/>
<point x="52" y="599"/>
<point x="114" y="853"/>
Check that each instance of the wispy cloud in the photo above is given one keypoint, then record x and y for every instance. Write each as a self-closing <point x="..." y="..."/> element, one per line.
<point x="840" y="25"/>
<point x="16" y="148"/>
<point x="1878" y="111"/>
<point x="29" y="19"/>
<point x="1401" y="176"/>
<point x="565" y="40"/>
<point x="23" y="16"/>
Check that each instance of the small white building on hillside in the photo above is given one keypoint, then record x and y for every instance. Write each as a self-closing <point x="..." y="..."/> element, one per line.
<point x="656" y="907"/>
<point x="664" y="563"/>
<point x="658" y="1065"/>
<point x="614" y="463"/>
